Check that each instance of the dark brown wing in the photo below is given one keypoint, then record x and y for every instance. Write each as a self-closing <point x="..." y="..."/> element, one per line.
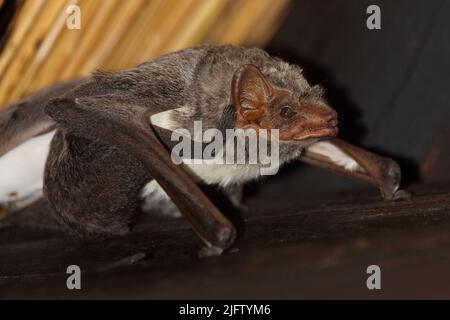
<point x="26" y="118"/>
<point x="113" y="120"/>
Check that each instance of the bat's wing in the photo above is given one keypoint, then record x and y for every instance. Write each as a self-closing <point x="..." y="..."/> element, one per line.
<point x="26" y="119"/>
<point x="341" y="157"/>
<point x="113" y="120"/>
<point x="20" y="122"/>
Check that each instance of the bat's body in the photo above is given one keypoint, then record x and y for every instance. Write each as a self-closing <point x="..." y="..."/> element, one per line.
<point x="97" y="160"/>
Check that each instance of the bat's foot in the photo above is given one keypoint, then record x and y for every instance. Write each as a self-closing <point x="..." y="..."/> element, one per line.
<point x="210" y="251"/>
<point x="401" y="195"/>
<point x="398" y="195"/>
<point x="390" y="177"/>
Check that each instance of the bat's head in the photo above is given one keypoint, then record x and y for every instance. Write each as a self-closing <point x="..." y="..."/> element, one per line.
<point x="299" y="116"/>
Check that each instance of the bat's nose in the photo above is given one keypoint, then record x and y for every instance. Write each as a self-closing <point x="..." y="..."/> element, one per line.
<point x="331" y="115"/>
<point x="319" y="116"/>
<point x="331" y="118"/>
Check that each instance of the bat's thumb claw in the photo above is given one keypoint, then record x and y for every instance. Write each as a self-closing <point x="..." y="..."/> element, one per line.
<point x="401" y="195"/>
<point x="210" y="252"/>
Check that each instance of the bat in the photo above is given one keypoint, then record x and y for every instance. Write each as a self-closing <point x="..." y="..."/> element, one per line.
<point x="102" y="146"/>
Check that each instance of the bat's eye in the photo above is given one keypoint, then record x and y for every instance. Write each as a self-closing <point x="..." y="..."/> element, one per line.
<point x="287" y="112"/>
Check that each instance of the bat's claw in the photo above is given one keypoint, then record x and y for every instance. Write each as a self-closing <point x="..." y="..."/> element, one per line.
<point x="401" y="195"/>
<point x="210" y="251"/>
<point x="390" y="182"/>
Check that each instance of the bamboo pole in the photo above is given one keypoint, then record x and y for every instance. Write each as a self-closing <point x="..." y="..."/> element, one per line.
<point x="199" y="23"/>
<point x="124" y="54"/>
<point x="272" y="19"/>
<point x="31" y="78"/>
<point x="73" y="43"/>
<point x="214" y="36"/>
<point x="23" y="24"/>
<point x="124" y="15"/>
<point x="167" y="27"/>
<point x="119" y="34"/>
<point x="92" y="35"/>
<point x="16" y="50"/>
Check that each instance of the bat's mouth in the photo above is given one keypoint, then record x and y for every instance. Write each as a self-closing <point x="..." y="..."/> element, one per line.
<point x="315" y="133"/>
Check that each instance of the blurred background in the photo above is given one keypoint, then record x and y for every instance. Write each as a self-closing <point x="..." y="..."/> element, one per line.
<point x="391" y="87"/>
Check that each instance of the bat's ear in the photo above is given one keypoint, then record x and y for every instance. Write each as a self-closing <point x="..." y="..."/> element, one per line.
<point x="250" y="92"/>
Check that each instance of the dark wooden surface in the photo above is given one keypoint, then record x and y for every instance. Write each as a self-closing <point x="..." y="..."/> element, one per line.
<point x="291" y="248"/>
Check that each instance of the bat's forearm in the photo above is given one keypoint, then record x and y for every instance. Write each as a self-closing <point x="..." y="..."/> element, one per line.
<point x="344" y="158"/>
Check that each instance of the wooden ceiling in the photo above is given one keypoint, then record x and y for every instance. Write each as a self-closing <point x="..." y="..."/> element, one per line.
<point x="38" y="49"/>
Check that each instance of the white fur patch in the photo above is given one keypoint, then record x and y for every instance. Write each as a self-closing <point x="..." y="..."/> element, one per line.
<point x="165" y="119"/>
<point x="335" y="154"/>
<point x="157" y="201"/>
<point x="224" y="174"/>
<point x="22" y="170"/>
<point x="153" y="188"/>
